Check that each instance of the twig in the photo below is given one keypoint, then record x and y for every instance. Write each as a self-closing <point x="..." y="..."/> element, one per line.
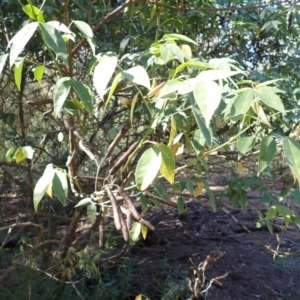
<point x="162" y="200"/>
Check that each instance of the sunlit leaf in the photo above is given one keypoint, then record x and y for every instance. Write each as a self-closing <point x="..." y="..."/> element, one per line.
<point x="38" y="73"/>
<point x="19" y="155"/>
<point x="267" y="96"/>
<point x="42" y="185"/>
<point x="241" y="105"/>
<point x="135" y="231"/>
<point x="144" y="231"/>
<point x="180" y="37"/>
<point x="33" y="12"/>
<point x="134" y="100"/>
<point x="207" y="95"/>
<point x="87" y="32"/>
<point x="9" y="155"/>
<point x="260" y="113"/>
<point x="54" y="41"/>
<point x="18" y="73"/>
<point x="167" y="167"/>
<point x="291" y="150"/>
<point x="60" y="94"/>
<point x="103" y="73"/>
<point x="240" y="167"/>
<point x="148" y="167"/>
<point x="114" y="85"/>
<point x="172" y="131"/>
<point x="28" y="152"/>
<point x="199" y="189"/>
<point x="138" y="75"/>
<point x="210" y="75"/>
<point x="60" y="136"/>
<point x="19" y="41"/>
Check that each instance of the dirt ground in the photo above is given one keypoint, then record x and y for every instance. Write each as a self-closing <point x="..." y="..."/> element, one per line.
<point x="215" y="255"/>
<point x="235" y="250"/>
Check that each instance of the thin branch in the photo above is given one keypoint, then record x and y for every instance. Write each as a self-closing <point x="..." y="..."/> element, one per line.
<point x="108" y="17"/>
<point x="217" y="9"/>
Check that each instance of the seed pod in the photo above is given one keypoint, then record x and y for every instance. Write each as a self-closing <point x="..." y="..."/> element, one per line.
<point x="123" y="158"/>
<point x="116" y="209"/>
<point x="133" y="210"/>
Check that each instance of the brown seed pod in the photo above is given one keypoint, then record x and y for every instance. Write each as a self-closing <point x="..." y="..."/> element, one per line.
<point x="133" y="211"/>
<point x="123" y="158"/>
<point x="116" y="209"/>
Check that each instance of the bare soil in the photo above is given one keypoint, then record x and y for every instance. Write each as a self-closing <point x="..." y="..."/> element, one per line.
<point x="215" y="255"/>
<point x="248" y="260"/>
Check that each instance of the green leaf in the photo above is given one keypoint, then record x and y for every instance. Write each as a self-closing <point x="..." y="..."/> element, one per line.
<point x="42" y="185"/>
<point x="38" y="73"/>
<point x="91" y="210"/>
<point x="171" y="87"/>
<point x="210" y="75"/>
<point x="138" y="75"/>
<point x="3" y="58"/>
<point x="63" y="28"/>
<point x="114" y="84"/>
<point x="171" y="51"/>
<point x="9" y="155"/>
<point x="266" y="153"/>
<point x="60" y="185"/>
<point x="144" y="231"/>
<point x="18" y="73"/>
<point x="241" y="105"/>
<point x="54" y="41"/>
<point x="33" y="12"/>
<point x="19" y="155"/>
<point x="84" y="202"/>
<point x="58" y="189"/>
<point x="271" y="212"/>
<point x="135" y="231"/>
<point x="206" y="133"/>
<point x="180" y="205"/>
<point x="244" y="145"/>
<point x="87" y="32"/>
<point x="208" y="97"/>
<point x="83" y="95"/>
<point x="291" y="150"/>
<point x="198" y="141"/>
<point x="176" y="36"/>
<point x="148" y="167"/>
<point x="60" y="94"/>
<point x="19" y="41"/>
<point x="28" y="152"/>
<point x="267" y="96"/>
<point x="84" y="28"/>
<point x="167" y="167"/>
<point x="103" y="73"/>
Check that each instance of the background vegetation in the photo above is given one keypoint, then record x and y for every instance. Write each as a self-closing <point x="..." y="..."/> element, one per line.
<point x="106" y="104"/>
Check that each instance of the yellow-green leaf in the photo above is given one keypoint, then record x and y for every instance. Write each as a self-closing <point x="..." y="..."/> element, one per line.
<point x="144" y="231"/>
<point x="167" y="167"/>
